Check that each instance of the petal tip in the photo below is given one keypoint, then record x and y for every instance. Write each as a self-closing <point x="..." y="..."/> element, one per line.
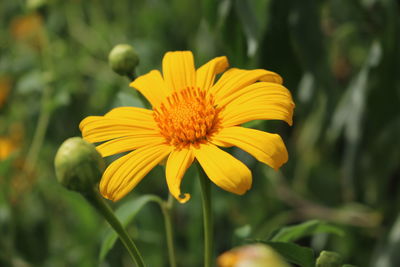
<point x="107" y="196"/>
<point x="183" y="198"/>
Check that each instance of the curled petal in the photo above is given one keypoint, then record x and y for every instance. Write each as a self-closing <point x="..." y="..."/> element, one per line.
<point x="177" y="164"/>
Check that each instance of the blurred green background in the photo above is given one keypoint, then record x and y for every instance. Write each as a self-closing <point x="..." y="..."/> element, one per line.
<point x="340" y="59"/>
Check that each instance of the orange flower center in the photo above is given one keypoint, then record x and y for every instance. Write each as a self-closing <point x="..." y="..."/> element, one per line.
<point x="187" y="117"/>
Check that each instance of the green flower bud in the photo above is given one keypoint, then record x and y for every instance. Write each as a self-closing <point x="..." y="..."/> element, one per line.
<point x="36" y="5"/>
<point x="329" y="259"/>
<point x="78" y="165"/>
<point x="123" y="60"/>
<point x="256" y="255"/>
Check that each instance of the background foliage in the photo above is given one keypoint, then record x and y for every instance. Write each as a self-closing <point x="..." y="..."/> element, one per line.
<point x="340" y="59"/>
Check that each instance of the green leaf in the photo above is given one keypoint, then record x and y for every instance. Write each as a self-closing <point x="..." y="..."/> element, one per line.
<point x="250" y="25"/>
<point x="210" y="11"/>
<point x="294" y="253"/>
<point x="293" y="233"/>
<point x="125" y="214"/>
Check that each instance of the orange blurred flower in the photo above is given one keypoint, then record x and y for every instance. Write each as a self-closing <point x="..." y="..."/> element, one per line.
<point x="255" y="255"/>
<point x="5" y="85"/>
<point x="11" y="142"/>
<point x="7" y="147"/>
<point x="29" y="29"/>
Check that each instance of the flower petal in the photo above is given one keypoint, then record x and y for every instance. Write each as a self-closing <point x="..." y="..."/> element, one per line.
<point x="129" y="143"/>
<point x="236" y="79"/>
<point x="177" y="164"/>
<point x="132" y="113"/>
<point x="265" y="147"/>
<point x="152" y="87"/>
<point x="178" y="70"/>
<point x="259" y="101"/>
<point x="126" y="172"/>
<point x="119" y="122"/>
<point x="223" y="169"/>
<point x="205" y="75"/>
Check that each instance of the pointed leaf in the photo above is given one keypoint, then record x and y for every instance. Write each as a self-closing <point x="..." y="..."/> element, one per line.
<point x="296" y="232"/>
<point x="294" y="253"/>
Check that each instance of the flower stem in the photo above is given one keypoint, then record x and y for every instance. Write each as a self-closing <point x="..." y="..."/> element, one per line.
<point x="101" y="206"/>
<point x="166" y="208"/>
<point x="207" y="217"/>
<point x="45" y="110"/>
<point x="40" y="131"/>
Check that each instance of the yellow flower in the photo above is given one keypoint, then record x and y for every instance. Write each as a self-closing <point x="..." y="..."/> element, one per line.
<point x="191" y="116"/>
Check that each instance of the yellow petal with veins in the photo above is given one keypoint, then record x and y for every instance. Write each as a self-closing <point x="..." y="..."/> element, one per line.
<point x="177" y="164"/>
<point x="265" y="147"/>
<point x="178" y="70"/>
<point x="126" y="172"/>
<point x="223" y="169"/>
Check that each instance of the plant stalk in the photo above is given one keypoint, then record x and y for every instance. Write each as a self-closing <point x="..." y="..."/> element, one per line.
<point x="166" y="210"/>
<point x="207" y="217"/>
<point x="104" y="209"/>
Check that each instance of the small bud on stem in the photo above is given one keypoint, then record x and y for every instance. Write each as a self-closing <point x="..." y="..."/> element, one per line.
<point x="78" y="165"/>
<point x="123" y="59"/>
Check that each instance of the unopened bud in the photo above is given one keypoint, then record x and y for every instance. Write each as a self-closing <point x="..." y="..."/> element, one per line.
<point x="256" y="255"/>
<point x="123" y="59"/>
<point x="36" y="5"/>
<point x="78" y="165"/>
<point x="329" y="259"/>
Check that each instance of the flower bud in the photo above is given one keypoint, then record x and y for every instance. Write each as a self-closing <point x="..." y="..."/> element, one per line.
<point x="36" y="5"/>
<point x="329" y="259"/>
<point x="78" y="165"/>
<point x="123" y="60"/>
<point x="256" y="255"/>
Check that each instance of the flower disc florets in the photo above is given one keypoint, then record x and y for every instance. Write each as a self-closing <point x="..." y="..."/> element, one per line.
<point x="187" y="117"/>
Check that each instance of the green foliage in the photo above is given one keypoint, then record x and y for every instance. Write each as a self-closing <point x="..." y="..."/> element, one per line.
<point x="125" y="213"/>
<point x="282" y="240"/>
<point x="293" y="253"/>
<point x="340" y="60"/>
<point x="309" y="228"/>
<point x="329" y="259"/>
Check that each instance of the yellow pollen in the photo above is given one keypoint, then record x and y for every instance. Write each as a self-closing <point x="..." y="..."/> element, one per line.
<point x="187" y="117"/>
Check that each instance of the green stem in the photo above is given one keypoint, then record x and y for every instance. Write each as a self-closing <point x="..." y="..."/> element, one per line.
<point x="101" y="206"/>
<point x="40" y="131"/>
<point x="207" y="217"/>
<point x="45" y="110"/>
<point x="166" y="208"/>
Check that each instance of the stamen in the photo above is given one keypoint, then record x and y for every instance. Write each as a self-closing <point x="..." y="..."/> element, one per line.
<point x="187" y="117"/>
